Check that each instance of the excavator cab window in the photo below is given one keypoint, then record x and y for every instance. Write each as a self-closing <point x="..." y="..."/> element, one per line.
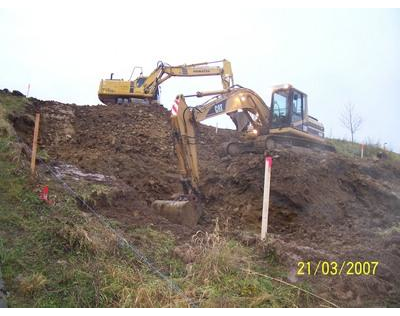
<point x="297" y="107"/>
<point x="140" y="81"/>
<point x="280" y="114"/>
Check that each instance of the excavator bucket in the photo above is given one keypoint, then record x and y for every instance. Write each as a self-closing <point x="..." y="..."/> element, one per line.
<point x="180" y="212"/>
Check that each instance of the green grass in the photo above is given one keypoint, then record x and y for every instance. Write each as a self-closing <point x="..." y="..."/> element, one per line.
<point x="58" y="256"/>
<point x="12" y="103"/>
<point x="30" y="249"/>
<point x="9" y="104"/>
<point x="353" y="150"/>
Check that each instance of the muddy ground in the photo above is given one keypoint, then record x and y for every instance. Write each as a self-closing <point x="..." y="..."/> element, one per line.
<point x="324" y="206"/>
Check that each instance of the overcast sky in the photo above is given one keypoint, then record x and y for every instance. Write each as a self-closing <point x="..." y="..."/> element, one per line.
<point x="335" y="56"/>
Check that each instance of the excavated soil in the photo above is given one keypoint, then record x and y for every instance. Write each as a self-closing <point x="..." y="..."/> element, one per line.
<point x="324" y="206"/>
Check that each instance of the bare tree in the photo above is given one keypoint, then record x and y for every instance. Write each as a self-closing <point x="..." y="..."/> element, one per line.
<point x="351" y="120"/>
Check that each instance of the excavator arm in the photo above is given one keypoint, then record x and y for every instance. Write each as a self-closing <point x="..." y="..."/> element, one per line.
<point x="184" y="134"/>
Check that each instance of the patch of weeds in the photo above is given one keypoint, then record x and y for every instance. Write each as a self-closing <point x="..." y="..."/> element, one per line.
<point x="12" y="103"/>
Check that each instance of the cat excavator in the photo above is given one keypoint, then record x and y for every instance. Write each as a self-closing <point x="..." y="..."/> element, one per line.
<point x="146" y="89"/>
<point x="285" y="122"/>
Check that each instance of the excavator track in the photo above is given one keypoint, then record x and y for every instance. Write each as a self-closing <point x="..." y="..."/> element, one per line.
<point x="272" y="142"/>
<point x="115" y="100"/>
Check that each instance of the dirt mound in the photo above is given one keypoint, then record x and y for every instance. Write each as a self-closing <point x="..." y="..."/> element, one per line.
<point x="323" y="206"/>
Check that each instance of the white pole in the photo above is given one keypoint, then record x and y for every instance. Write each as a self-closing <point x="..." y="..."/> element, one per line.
<point x="216" y="128"/>
<point x="362" y="151"/>
<point x="267" y="185"/>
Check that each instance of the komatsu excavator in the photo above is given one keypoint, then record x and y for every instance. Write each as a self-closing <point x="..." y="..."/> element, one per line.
<point x="146" y="89"/>
<point x="262" y="128"/>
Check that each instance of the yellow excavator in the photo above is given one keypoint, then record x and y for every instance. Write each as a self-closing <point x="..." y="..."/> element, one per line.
<point x="286" y="122"/>
<point x="146" y="89"/>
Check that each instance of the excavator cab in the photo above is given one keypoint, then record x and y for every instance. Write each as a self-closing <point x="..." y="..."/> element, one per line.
<point x="289" y="110"/>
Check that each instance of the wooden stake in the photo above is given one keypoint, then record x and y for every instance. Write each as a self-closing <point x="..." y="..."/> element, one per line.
<point x="267" y="185"/>
<point x="34" y="144"/>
